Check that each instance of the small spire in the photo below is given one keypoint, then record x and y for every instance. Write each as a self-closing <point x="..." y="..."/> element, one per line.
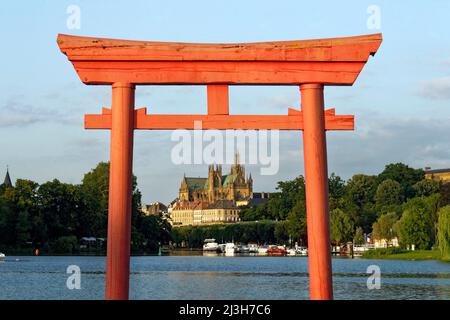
<point x="7" y="182"/>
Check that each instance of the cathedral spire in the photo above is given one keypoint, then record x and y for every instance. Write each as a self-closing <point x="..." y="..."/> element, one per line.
<point x="7" y="182"/>
<point x="237" y="158"/>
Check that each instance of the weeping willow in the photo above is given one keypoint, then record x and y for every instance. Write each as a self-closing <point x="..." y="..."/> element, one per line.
<point x="444" y="232"/>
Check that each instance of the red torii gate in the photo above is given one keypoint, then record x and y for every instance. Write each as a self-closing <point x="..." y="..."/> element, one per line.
<point x="309" y="64"/>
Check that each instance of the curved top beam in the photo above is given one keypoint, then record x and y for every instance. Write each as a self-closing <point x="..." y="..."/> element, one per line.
<point x="356" y="48"/>
<point x="327" y="61"/>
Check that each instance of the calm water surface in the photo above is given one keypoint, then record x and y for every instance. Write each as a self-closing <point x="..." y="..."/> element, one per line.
<point x="217" y="277"/>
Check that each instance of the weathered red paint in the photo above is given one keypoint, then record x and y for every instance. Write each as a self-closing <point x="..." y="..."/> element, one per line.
<point x="310" y="64"/>
<point x="120" y="189"/>
<point x="316" y="184"/>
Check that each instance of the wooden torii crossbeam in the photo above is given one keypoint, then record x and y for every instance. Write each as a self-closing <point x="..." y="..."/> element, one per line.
<point x="309" y="64"/>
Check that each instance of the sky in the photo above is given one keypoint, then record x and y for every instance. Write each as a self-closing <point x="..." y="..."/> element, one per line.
<point x="400" y="101"/>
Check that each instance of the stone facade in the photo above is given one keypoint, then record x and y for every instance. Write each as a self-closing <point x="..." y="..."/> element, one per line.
<point x="233" y="186"/>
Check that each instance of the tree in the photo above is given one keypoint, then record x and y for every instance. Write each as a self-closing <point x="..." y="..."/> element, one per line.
<point x="444" y="232"/>
<point x="20" y="210"/>
<point x="426" y="187"/>
<point x="384" y="227"/>
<point x="341" y="226"/>
<point x="406" y="176"/>
<point x="445" y="194"/>
<point x="358" y="238"/>
<point x="255" y="213"/>
<point x="95" y="189"/>
<point x="296" y="222"/>
<point x="60" y="206"/>
<point x="336" y="186"/>
<point x="389" y="192"/>
<point x="361" y="189"/>
<point x="358" y="201"/>
<point x="281" y="232"/>
<point x="290" y="193"/>
<point x="415" y="227"/>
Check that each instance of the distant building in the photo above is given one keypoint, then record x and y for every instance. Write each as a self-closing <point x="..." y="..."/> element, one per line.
<point x="383" y="243"/>
<point x="7" y="182"/>
<point x="215" y="199"/>
<point x="233" y="186"/>
<point x="199" y="212"/>
<point x="438" y="174"/>
<point x="154" y="208"/>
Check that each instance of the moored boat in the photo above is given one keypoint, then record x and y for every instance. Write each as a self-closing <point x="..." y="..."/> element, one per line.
<point x="276" y="251"/>
<point x="252" y="248"/>
<point x="230" y="249"/>
<point x="210" y="245"/>
<point x="262" y="250"/>
<point x="302" y="251"/>
<point x="2" y="256"/>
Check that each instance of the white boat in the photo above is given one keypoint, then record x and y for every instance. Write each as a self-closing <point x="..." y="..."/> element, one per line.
<point x="291" y="252"/>
<point x="252" y="248"/>
<point x="210" y="245"/>
<point x="2" y="256"/>
<point x="302" y="250"/>
<point x="361" y="248"/>
<point x="230" y="249"/>
<point x="263" y="250"/>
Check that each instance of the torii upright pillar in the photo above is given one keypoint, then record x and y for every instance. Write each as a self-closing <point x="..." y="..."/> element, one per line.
<point x="316" y="185"/>
<point x="120" y="191"/>
<point x="309" y="64"/>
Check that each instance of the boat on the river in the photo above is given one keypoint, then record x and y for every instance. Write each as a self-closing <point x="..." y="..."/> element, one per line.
<point x="276" y="251"/>
<point x="252" y="248"/>
<point x="262" y="250"/>
<point x="2" y="256"/>
<point x="210" y="245"/>
<point x="230" y="249"/>
<point x="302" y="251"/>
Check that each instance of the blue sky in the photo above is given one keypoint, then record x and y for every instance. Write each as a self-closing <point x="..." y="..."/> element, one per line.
<point x="401" y="99"/>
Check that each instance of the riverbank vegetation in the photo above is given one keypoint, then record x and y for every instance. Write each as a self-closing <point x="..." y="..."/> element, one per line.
<point x="398" y="204"/>
<point x="54" y="216"/>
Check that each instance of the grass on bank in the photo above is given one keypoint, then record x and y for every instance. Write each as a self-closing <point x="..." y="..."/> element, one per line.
<point x="402" y="254"/>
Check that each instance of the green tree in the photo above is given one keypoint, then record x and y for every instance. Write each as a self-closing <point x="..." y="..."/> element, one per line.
<point x="444" y="232"/>
<point x="296" y="223"/>
<point x="445" y="194"/>
<point x="403" y="174"/>
<point x="95" y="189"/>
<point x="341" y="227"/>
<point x="389" y="192"/>
<point x="384" y="227"/>
<point x="281" y="232"/>
<point x="280" y="204"/>
<point x="361" y="189"/>
<point x="20" y="211"/>
<point x="426" y="187"/>
<point x="60" y="206"/>
<point x="358" y="238"/>
<point x="415" y="226"/>
<point x="358" y="201"/>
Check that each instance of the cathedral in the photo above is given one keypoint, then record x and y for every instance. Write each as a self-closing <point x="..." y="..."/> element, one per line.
<point x="234" y="186"/>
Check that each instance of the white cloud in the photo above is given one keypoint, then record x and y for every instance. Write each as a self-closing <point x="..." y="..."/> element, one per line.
<point x="438" y="88"/>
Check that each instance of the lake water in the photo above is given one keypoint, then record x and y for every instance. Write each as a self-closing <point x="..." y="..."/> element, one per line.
<point x="218" y="277"/>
